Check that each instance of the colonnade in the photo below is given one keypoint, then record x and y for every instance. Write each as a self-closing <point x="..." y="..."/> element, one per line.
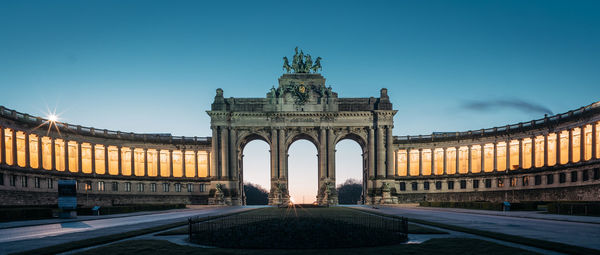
<point x="32" y="150"/>
<point x="570" y="145"/>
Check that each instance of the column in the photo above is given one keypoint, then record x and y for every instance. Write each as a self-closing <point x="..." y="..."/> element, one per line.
<point x="214" y="148"/>
<point x="93" y="158"/>
<point x="594" y="141"/>
<point x="2" y="141"/>
<point x="457" y="163"/>
<point x="27" y="163"/>
<point x="170" y="163"/>
<point x="66" y="150"/>
<point x="508" y="155"/>
<point x="533" y="151"/>
<point x="546" y="150"/>
<point x="14" y="147"/>
<point x="495" y="157"/>
<point x="330" y="154"/>
<point x="390" y="154"/>
<point x="371" y="151"/>
<point x="420" y="162"/>
<point x="445" y="157"/>
<point x="105" y="159"/>
<point x="119" y="163"/>
<point x="274" y="158"/>
<point x="39" y="144"/>
<point x="380" y="153"/>
<point x="208" y="163"/>
<point x="233" y="154"/>
<point x="558" y="148"/>
<point x="521" y="153"/>
<point x="433" y="161"/>
<point x="79" y="158"/>
<point x="183" y="163"/>
<point x="224" y="153"/>
<point x="132" y="162"/>
<point x="322" y="154"/>
<point x="470" y="158"/>
<point x="408" y="162"/>
<point x="581" y="145"/>
<point x="282" y="150"/>
<point x="52" y="154"/>
<point x="482" y="152"/>
<point x="196" y="164"/>
<point x="146" y="162"/>
<point x="570" y="147"/>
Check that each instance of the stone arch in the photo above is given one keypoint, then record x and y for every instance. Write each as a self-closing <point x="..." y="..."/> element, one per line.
<point x="309" y="135"/>
<point x="360" y="137"/>
<point x="246" y="136"/>
<point x="357" y="136"/>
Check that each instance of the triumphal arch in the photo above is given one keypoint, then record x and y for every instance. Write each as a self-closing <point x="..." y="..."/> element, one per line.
<point x="303" y="106"/>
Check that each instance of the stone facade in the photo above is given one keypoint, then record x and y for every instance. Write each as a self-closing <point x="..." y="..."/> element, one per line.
<point x="551" y="159"/>
<point x="302" y="107"/>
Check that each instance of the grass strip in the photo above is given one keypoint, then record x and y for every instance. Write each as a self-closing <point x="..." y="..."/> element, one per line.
<point x="542" y="244"/>
<point x="79" y="244"/>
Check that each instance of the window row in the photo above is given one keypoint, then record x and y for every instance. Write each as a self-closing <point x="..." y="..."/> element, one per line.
<point x="23" y="181"/>
<point x="31" y="150"/>
<point x="567" y="146"/>
<point x="139" y="187"/>
<point x="548" y="179"/>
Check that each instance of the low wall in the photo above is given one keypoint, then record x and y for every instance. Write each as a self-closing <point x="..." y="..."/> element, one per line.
<point x="573" y="193"/>
<point x="25" y="198"/>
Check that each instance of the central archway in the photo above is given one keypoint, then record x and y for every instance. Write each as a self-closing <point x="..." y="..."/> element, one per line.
<point x="303" y="177"/>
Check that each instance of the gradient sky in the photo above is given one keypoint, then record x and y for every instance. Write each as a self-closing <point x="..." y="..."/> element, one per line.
<point x="153" y="66"/>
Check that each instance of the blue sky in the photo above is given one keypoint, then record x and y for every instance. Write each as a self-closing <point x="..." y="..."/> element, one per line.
<point x="153" y="66"/>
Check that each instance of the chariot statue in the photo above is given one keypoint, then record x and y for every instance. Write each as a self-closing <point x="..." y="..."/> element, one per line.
<point x="302" y="63"/>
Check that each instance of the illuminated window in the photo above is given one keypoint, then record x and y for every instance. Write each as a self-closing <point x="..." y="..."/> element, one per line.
<point x="86" y="158"/>
<point x="126" y="161"/>
<point x="438" y="161"/>
<point x="139" y="162"/>
<point x="73" y="156"/>
<point x="500" y="183"/>
<point x="513" y="181"/>
<point x="488" y="154"/>
<point x="190" y="164"/>
<point x="527" y="146"/>
<point x="47" y="153"/>
<point x="426" y="154"/>
<point x="514" y="155"/>
<point x="551" y="149"/>
<point x="152" y="162"/>
<point x="463" y="160"/>
<point x="576" y="144"/>
<point x="21" y="149"/>
<point x="539" y="151"/>
<point x="33" y="151"/>
<point x="99" y="154"/>
<point x="59" y="154"/>
<point x="450" y="161"/>
<point x="402" y="171"/>
<point x="177" y="164"/>
<point x="564" y="147"/>
<point x="202" y="164"/>
<point x="588" y="142"/>
<point x="8" y="147"/>
<point x="414" y="162"/>
<point x="476" y="158"/>
<point x="113" y="160"/>
<point x="501" y="156"/>
<point x="165" y="166"/>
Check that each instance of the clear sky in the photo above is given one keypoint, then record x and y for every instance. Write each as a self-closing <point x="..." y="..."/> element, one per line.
<point x="153" y="66"/>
